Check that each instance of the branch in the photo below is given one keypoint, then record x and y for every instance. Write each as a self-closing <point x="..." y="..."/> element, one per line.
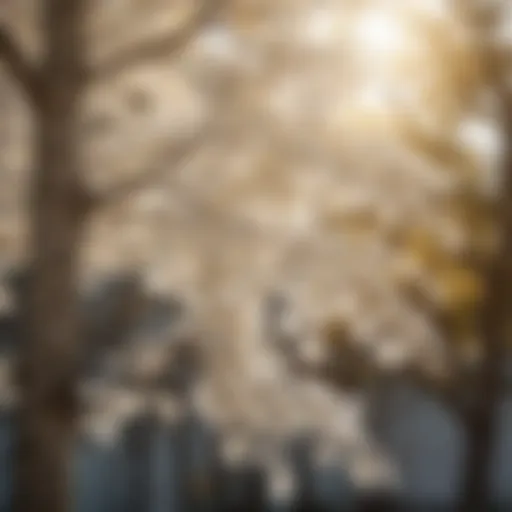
<point x="169" y="159"/>
<point x="19" y="66"/>
<point x="447" y="391"/>
<point x="171" y="43"/>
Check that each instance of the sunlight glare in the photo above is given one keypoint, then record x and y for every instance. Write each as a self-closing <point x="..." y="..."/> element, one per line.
<point x="381" y="33"/>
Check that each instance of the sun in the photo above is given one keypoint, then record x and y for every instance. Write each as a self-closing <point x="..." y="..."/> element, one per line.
<point x="381" y="33"/>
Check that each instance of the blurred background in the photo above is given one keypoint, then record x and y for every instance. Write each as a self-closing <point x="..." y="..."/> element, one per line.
<point x="295" y="294"/>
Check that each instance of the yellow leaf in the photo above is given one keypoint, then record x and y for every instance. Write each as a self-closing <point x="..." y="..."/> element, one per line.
<point x="461" y="288"/>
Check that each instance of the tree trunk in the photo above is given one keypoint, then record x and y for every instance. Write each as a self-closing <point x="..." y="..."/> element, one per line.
<point x="480" y="435"/>
<point x="51" y="345"/>
<point x="482" y="419"/>
<point x="377" y="502"/>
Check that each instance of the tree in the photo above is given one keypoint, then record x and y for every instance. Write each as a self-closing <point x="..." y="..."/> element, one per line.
<point x="480" y="276"/>
<point x="60" y="206"/>
<point x="458" y="277"/>
<point x="473" y="316"/>
<point x="493" y="326"/>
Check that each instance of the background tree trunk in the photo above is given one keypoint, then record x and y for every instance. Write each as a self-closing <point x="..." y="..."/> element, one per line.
<point x="482" y="418"/>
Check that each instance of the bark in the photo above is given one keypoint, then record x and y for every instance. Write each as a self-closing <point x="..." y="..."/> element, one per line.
<point x="51" y="345"/>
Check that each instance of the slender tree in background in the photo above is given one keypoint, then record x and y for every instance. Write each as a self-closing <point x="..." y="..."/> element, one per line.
<point x="482" y="417"/>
